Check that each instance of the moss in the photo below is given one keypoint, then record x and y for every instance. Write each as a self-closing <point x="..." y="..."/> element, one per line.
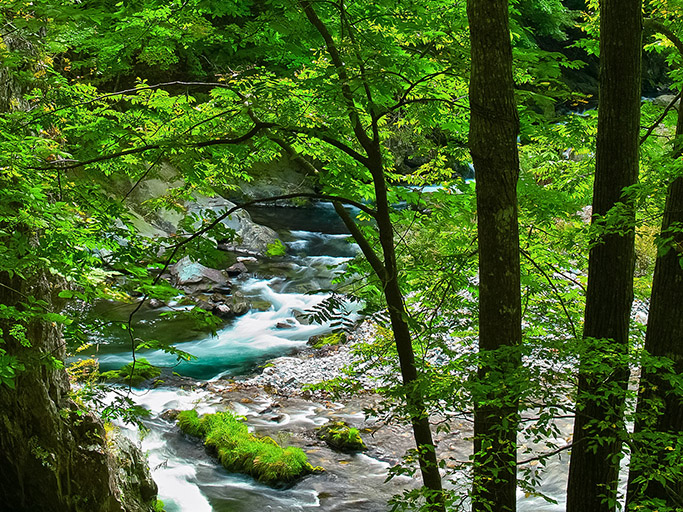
<point x="339" y="436"/>
<point x="334" y="338"/>
<point x="188" y="421"/>
<point x="277" y="248"/>
<point x="242" y="452"/>
<point x="143" y="371"/>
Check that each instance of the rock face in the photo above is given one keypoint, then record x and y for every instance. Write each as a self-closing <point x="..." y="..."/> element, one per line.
<point x="250" y="237"/>
<point x="193" y="277"/>
<point x="53" y="457"/>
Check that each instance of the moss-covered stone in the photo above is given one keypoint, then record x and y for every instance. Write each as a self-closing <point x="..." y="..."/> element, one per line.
<point x="142" y="371"/>
<point x="339" y="436"/>
<point x="242" y="452"/>
<point x="334" y="338"/>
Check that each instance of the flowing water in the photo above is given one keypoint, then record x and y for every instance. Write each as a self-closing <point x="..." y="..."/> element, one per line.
<point x="188" y="478"/>
<point x="192" y="481"/>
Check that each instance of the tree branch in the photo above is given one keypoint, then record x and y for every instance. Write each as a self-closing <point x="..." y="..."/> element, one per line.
<point x="657" y="26"/>
<point x="129" y="91"/>
<point x="362" y="242"/>
<point x="333" y="52"/>
<point x="660" y="118"/>
<point x="64" y="164"/>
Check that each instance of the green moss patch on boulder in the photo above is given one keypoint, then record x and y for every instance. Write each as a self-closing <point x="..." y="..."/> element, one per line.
<point x="142" y="371"/>
<point x="242" y="452"/>
<point x="334" y="338"/>
<point x="339" y="436"/>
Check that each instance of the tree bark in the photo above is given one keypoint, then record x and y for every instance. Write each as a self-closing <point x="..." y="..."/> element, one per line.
<point x="603" y="373"/>
<point x="659" y="414"/>
<point x="494" y="126"/>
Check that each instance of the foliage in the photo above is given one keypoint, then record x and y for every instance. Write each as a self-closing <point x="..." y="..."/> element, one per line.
<point x="331" y="339"/>
<point x="240" y="451"/>
<point x="133" y="373"/>
<point x="81" y="121"/>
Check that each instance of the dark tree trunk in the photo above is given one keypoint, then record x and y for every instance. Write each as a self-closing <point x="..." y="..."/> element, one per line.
<point x="494" y="126"/>
<point x="387" y="272"/>
<point x="659" y="414"/>
<point x="404" y="346"/>
<point x="603" y="374"/>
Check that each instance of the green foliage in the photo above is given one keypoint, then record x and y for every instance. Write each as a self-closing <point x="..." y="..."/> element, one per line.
<point x="334" y="338"/>
<point x="133" y="373"/>
<point x="242" y="452"/>
<point x="277" y="248"/>
<point x="264" y="63"/>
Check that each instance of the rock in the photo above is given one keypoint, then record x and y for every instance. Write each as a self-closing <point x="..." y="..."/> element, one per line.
<point x="253" y="239"/>
<point x="133" y="478"/>
<point x="236" y="269"/>
<point x="301" y="317"/>
<point x="206" y="306"/>
<point x="218" y="298"/>
<point x="339" y="436"/>
<point x="284" y="325"/>
<point x="170" y="415"/>
<point x="663" y="100"/>
<point x="239" y="304"/>
<point x="155" y="303"/>
<point x="224" y="290"/>
<point x="222" y="310"/>
<point x="193" y="277"/>
<point x="246" y="259"/>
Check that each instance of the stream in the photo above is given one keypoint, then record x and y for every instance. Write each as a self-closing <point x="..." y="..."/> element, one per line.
<point x="189" y="479"/>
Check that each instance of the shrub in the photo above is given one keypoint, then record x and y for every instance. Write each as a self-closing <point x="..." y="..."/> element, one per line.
<point x="143" y="371"/>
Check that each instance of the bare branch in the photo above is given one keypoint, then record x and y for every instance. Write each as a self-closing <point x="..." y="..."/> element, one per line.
<point x="660" y="118"/>
<point x="71" y="164"/>
<point x="363" y="243"/>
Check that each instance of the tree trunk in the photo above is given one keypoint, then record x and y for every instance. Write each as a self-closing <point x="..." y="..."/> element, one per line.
<point x="387" y="272"/>
<point x="603" y="373"/>
<point x="494" y="126"/>
<point x="659" y="414"/>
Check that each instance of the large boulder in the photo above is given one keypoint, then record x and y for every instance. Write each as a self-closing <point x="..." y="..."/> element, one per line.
<point x="193" y="277"/>
<point x="54" y="456"/>
<point x="133" y="477"/>
<point x="152" y="222"/>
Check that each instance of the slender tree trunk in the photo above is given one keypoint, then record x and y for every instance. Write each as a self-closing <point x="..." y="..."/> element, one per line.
<point x="603" y="373"/>
<point x="387" y="272"/>
<point x="404" y="346"/>
<point x="494" y="126"/>
<point x="659" y="414"/>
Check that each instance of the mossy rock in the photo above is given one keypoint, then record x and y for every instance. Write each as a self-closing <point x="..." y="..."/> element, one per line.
<point x="242" y="452"/>
<point x="339" y="436"/>
<point x="143" y="371"/>
<point x="334" y="338"/>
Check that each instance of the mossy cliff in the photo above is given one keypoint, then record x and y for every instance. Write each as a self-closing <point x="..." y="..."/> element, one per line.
<point x="55" y="457"/>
